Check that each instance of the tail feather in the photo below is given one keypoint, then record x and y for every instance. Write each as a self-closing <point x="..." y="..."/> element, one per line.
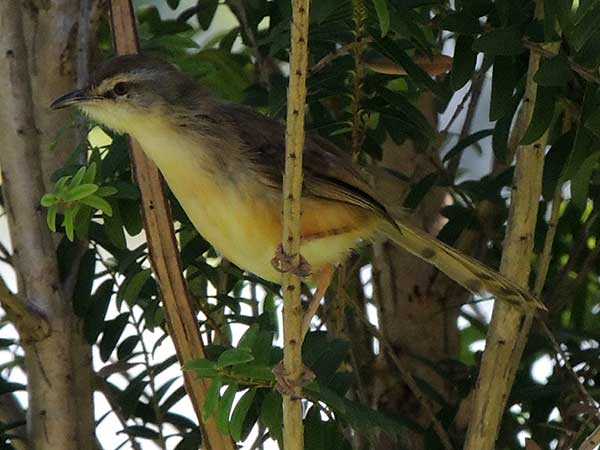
<point x="467" y="271"/>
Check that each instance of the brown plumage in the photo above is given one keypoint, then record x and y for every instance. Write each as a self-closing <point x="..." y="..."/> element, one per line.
<point x="225" y="163"/>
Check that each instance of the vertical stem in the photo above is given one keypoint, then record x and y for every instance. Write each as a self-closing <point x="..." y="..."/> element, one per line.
<point x="293" y="433"/>
<point x="162" y="246"/>
<point x="359" y="13"/>
<point x="509" y="328"/>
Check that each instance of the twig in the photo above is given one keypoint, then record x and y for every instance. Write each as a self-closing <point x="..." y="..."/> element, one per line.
<point x="237" y="8"/>
<point x="359" y="14"/>
<point x="509" y="328"/>
<point x="410" y="382"/>
<point x="540" y="49"/>
<point x="573" y="257"/>
<point x="293" y="432"/>
<point x="547" y="252"/>
<point x="104" y="387"/>
<point x="580" y="387"/>
<point x="162" y="246"/>
<point x="30" y="324"/>
<point x="592" y="441"/>
<point x="338" y="53"/>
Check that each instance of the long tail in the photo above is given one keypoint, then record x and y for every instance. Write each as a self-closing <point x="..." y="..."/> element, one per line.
<point x="463" y="269"/>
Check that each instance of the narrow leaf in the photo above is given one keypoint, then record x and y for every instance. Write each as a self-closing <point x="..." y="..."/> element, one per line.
<point x="98" y="203"/>
<point x="232" y="357"/>
<point x="79" y="192"/>
<point x="383" y="15"/>
<point x="212" y="398"/>
<point x="236" y="425"/>
<point x="503" y="41"/>
<point x="543" y="112"/>
<point x="224" y="410"/>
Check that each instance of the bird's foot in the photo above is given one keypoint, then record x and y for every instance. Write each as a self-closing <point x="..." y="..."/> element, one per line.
<point x="282" y="262"/>
<point x="285" y="386"/>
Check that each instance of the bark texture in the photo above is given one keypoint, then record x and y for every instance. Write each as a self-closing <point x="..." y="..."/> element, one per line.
<point x="38" y="47"/>
<point x="416" y="305"/>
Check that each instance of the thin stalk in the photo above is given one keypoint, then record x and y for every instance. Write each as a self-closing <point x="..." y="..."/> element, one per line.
<point x="293" y="432"/>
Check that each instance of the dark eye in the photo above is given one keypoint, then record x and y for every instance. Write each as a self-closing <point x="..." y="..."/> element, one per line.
<point x="121" y="88"/>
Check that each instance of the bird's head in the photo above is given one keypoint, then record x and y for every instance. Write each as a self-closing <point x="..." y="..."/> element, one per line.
<point x="127" y="90"/>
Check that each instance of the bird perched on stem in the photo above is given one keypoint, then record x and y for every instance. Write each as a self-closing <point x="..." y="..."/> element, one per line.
<point x="225" y="163"/>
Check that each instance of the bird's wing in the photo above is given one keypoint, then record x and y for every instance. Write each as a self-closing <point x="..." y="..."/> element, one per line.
<point x="329" y="173"/>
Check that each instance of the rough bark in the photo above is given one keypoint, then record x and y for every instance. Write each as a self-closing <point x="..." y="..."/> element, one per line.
<point x="38" y="52"/>
<point x="509" y="328"/>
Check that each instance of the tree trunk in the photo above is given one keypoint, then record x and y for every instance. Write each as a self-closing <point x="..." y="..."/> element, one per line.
<point x="38" y="48"/>
<point x="416" y="304"/>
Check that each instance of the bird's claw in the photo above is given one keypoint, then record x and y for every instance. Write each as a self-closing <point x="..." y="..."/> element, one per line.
<point x="285" y="386"/>
<point x="282" y="262"/>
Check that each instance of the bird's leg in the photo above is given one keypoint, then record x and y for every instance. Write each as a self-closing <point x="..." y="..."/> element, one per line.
<point x="286" y="386"/>
<point x="283" y="262"/>
<point x="322" y="280"/>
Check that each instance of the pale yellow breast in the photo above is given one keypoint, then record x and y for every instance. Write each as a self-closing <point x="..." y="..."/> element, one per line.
<point x="241" y="218"/>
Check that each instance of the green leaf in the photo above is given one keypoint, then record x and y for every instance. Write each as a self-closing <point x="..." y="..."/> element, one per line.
<point x="112" y="333"/>
<point x="127" y="347"/>
<point x="461" y="22"/>
<point x="202" y="367"/>
<point x="94" y="319"/>
<point x="140" y="431"/>
<point x="584" y="139"/>
<point x="77" y="178"/>
<point x="271" y="414"/>
<point x="248" y="338"/>
<point x="503" y="126"/>
<point x="90" y="173"/>
<point x="503" y="41"/>
<point x="51" y="217"/>
<point x="543" y="112"/>
<point x="206" y="11"/>
<point x="383" y="15"/>
<point x="236" y="425"/>
<point x="48" y="200"/>
<point x="580" y="184"/>
<point x="504" y="82"/>
<point x="253" y="372"/>
<point x="584" y="25"/>
<point x="113" y="227"/>
<point x="554" y="71"/>
<point x="222" y="416"/>
<point x="7" y="387"/>
<point x="69" y="221"/>
<point x="106" y="191"/>
<point x="79" y="192"/>
<point x="463" y="64"/>
<point x="555" y="163"/>
<point x="233" y="356"/>
<point x="191" y="441"/>
<point x="212" y="398"/>
<point x="135" y="285"/>
<point x="82" y="293"/>
<point x="592" y="123"/>
<point x="357" y="415"/>
<point x="467" y="142"/>
<point x="419" y="190"/>
<point x="97" y="202"/>
<point x="227" y="41"/>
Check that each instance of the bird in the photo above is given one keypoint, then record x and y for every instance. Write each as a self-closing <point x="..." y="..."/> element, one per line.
<point x="224" y="162"/>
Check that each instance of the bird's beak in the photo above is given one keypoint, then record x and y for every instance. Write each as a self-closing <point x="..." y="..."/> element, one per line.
<point x="72" y="98"/>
